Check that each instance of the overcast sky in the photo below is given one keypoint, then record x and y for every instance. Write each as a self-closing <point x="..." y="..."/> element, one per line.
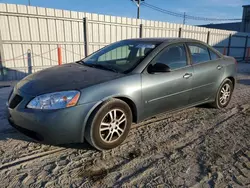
<point x="202" y="8"/>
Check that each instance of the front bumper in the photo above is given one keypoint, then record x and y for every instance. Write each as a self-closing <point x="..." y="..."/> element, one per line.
<point x="49" y="126"/>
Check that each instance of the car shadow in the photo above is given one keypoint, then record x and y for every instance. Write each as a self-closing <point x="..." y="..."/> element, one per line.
<point x="204" y="106"/>
<point x="12" y="133"/>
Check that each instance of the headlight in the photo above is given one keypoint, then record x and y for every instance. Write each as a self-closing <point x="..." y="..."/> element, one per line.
<point x="55" y="100"/>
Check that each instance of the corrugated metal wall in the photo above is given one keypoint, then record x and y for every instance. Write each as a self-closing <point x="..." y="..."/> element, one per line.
<point x="39" y="31"/>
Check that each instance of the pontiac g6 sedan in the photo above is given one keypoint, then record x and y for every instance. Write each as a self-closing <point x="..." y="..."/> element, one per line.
<point x="99" y="97"/>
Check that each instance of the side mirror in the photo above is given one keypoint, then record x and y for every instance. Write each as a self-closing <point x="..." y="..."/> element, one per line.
<point x="158" y="67"/>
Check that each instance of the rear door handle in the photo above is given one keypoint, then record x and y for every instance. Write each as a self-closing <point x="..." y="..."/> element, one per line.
<point x="219" y="67"/>
<point x="187" y="75"/>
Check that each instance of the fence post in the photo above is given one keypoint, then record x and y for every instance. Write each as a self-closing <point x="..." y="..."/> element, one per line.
<point x="248" y="53"/>
<point x="1" y="60"/>
<point x="141" y="31"/>
<point x="245" y="50"/>
<point x="229" y="44"/>
<point x="1" y="68"/>
<point x="29" y="61"/>
<point x="59" y="54"/>
<point x="208" y="37"/>
<point x="86" y="36"/>
<point x="180" y="32"/>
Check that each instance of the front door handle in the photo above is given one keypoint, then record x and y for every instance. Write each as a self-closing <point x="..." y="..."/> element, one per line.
<point x="219" y="67"/>
<point x="187" y="75"/>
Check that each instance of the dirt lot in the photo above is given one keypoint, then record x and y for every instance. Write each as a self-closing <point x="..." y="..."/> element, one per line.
<point x="198" y="147"/>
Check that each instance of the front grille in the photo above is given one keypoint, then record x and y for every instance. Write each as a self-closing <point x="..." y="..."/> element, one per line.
<point x="15" y="101"/>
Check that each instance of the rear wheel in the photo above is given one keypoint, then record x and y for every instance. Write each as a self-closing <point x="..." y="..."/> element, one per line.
<point x="224" y="94"/>
<point x="109" y="126"/>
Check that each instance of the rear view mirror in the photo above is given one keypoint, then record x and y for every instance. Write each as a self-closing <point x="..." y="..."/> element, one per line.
<point x="158" y="67"/>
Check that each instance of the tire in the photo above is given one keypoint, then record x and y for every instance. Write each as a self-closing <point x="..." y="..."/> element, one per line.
<point x="104" y="130"/>
<point x="218" y="102"/>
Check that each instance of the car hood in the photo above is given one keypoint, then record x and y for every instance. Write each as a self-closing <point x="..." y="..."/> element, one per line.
<point x="65" y="77"/>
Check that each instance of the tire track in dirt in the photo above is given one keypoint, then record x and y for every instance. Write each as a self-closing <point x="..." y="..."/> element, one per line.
<point x="30" y="158"/>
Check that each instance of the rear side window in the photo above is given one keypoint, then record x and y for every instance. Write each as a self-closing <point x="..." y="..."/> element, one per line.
<point x="199" y="53"/>
<point x="213" y="55"/>
<point x="174" y="56"/>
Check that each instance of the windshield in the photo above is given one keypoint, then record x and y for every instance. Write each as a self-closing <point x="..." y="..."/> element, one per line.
<point x="122" y="56"/>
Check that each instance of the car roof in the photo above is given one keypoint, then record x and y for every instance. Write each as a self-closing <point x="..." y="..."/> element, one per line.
<point x="165" y="40"/>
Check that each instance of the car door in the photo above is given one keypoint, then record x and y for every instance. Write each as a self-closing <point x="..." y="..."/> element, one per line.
<point x="167" y="90"/>
<point x="207" y="72"/>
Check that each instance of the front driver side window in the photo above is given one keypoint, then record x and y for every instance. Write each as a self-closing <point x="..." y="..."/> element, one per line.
<point x="174" y="56"/>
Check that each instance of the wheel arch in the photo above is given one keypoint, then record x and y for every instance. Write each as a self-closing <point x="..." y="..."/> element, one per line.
<point x="132" y="107"/>
<point x="233" y="80"/>
<point x="125" y="99"/>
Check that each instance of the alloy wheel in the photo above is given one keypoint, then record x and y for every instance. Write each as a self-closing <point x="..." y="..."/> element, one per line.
<point x="113" y="125"/>
<point x="225" y="94"/>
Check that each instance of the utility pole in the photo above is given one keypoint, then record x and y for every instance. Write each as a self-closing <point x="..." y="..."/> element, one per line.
<point x="29" y="2"/>
<point x="138" y="9"/>
<point x="184" y="18"/>
<point x="138" y="3"/>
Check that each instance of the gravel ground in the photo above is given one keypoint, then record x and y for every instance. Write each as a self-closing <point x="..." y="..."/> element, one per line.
<point x="198" y="147"/>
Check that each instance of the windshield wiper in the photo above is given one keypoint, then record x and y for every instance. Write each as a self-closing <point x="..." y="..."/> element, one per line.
<point x="105" y="67"/>
<point x="95" y="65"/>
<point x="81" y="62"/>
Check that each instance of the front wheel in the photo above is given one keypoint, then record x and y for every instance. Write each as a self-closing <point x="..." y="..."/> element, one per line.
<point x="109" y="125"/>
<point x="224" y="94"/>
